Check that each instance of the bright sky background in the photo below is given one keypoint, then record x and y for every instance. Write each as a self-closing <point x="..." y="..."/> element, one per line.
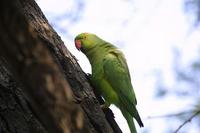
<point x="146" y="31"/>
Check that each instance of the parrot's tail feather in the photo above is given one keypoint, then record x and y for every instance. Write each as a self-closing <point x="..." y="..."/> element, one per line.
<point x="138" y="119"/>
<point x="130" y="107"/>
<point x="129" y="120"/>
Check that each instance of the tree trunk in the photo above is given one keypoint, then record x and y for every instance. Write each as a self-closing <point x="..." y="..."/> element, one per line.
<point x="42" y="87"/>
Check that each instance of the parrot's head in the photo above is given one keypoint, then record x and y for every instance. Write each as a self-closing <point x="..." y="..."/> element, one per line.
<point x="86" y="41"/>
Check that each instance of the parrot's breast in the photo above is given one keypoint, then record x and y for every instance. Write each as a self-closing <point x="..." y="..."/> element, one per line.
<point x="106" y="90"/>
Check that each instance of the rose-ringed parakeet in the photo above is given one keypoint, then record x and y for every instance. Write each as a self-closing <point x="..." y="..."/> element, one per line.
<point x="110" y="75"/>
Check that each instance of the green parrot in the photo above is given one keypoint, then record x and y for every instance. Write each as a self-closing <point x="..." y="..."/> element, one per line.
<point x="110" y="75"/>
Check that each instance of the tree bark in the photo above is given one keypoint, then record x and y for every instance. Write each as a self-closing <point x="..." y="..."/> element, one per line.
<point x="42" y="87"/>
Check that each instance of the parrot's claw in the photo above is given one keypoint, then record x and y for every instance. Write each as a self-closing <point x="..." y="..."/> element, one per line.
<point x="88" y="76"/>
<point x="105" y="106"/>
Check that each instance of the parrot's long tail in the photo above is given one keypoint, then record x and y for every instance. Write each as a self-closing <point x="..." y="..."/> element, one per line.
<point x="130" y="107"/>
<point x="137" y="117"/>
<point x="129" y="120"/>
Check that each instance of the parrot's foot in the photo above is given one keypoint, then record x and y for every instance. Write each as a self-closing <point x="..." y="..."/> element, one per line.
<point x="88" y="76"/>
<point x="105" y="106"/>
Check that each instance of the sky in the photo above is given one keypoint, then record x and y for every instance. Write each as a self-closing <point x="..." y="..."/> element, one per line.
<point x="146" y="32"/>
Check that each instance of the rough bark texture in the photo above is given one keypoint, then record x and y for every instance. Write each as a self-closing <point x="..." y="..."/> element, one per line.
<point x="37" y="75"/>
<point x="16" y="115"/>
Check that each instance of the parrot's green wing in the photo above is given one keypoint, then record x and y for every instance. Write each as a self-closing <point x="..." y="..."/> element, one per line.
<point x="117" y="73"/>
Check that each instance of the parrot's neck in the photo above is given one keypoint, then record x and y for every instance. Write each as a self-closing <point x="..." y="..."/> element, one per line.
<point x="96" y="54"/>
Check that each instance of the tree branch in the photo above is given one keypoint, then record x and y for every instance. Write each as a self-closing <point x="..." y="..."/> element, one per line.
<point x="195" y="113"/>
<point x="187" y="121"/>
<point x="170" y="115"/>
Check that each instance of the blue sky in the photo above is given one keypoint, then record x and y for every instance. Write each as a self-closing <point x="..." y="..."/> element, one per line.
<point x="147" y="32"/>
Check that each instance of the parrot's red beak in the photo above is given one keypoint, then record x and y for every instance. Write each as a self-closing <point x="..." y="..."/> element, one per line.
<point x="78" y="44"/>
